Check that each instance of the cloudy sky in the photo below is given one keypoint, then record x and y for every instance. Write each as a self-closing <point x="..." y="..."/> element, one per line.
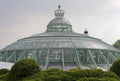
<point x="23" y="18"/>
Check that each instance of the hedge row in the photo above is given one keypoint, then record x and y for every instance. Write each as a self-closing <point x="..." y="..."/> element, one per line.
<point x="28" y="70"/>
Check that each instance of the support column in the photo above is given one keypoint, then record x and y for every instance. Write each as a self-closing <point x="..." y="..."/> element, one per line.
<point x="92" y="58"/>
<point x="77" y="58"/>
<point x="62" y="59"/>
<point x="5" y="54"/>
<point x="117" y="55"/>
<point x="22" y="56"/>
<point x="104" y="58"/>
<point x="111" y="55"/>
<point x="35" y="56"/>
<point x="13" y="54"/>
<point x="47" y="59"/>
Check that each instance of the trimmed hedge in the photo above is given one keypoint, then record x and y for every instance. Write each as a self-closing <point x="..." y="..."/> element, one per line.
<point x="75" y="74"/>
<point x="110" y="74"/>
<point x="51" y="78"/>
<point x="29" y="70"/>
<point x="52" y="71"/>
<point x="3" y="71"/>
<point x="22" y="69"/>
<point x="98" y="79"/>
<point x="94" y="73"/>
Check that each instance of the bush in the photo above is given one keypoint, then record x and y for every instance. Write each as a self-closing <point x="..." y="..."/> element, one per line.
<point x="4" y="76"/>
<point x="35" y="77"/>
<point x="76" y="74"/>
<point x="65" y="77"/>
<point x="52" y="71"/>
<point x="23" y="68"/>
<point x="51" y="78"/>
<point x="3" y="71"/>
<point x="116" y="67"/>
<point x="110" y="74"/>
<point x="88" y="79"/>
<point x="98" y="79"/>
<point x="94" y="72"/>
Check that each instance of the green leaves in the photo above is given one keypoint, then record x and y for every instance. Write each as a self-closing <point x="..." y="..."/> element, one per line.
<point x="116" y="67"/>
<point x="117" y="44"/>
<point x="22" y="69"/>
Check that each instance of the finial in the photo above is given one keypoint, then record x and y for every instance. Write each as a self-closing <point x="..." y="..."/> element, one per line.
<point x="59" y="6"/>
<point x="59" y="13"/>
<point x="86" y="32"/>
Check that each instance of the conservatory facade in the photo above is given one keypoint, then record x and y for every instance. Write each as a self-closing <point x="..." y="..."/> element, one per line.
<point x="60" y="47"/>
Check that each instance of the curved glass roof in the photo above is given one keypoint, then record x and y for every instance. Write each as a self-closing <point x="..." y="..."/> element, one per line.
<point x="60" y="47"/>
<point x="60" y="40"/>
<point x="59" y="23"/>
<point x="59" y="34"/>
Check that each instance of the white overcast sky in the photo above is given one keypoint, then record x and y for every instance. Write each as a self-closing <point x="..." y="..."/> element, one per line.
<point x="23" y="18"/>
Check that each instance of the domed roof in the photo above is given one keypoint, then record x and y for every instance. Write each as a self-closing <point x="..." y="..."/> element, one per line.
<point x="59" y="23"/>
<point x="59" y="40"/>
<point x="59" y="34"/>
<point x="60" y="47"/>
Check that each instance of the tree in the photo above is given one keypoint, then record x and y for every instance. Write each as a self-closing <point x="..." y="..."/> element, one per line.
<point x="116" y="67"/>
<point x="117" y="44"/>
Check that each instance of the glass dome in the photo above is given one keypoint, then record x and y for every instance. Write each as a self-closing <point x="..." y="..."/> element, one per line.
<point x="60" y="47"/>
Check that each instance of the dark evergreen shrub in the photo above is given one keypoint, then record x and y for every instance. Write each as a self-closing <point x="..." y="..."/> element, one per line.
<point x="89" y="79"/>
<point x="116" y="67"/>
<point x="23" y="68"/>
<point x="51" y="78"/>
<point x="4" y="76"/>
<point x="108" y="79"/>
<point x="110" y="74"/>
<point x="65" y="77"/>
<point x="3" y="71"/>
<point x="35" y="77"/>
<point x="52" y="71"/>
<point x="76" y="74"/>
<point x="97" y="79"/>
<point x="94" y="72"/>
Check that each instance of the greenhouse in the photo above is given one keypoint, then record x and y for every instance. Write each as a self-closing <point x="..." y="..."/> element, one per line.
<point x="60" y="47"/>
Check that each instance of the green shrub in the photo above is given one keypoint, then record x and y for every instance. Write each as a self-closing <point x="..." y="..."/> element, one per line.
<point x="97" y="79"/>
<point x="52" y="71"/>
<point x="108" y="79"/>
<point x="110" y="74"/>
<point x="35" y="77"/>
<point x="32" y="80"/>
<point x="4" y="76"/>
<point x="94" y="72"/>
<point x="3" y="71"/>
<point x="88" y="79"/>
<point x="76" y="74"/>
<point x="65" y="77"/>
<point x="23" y="68"/>
<point x="116" y="67"/>
<point x="51" y="78"/>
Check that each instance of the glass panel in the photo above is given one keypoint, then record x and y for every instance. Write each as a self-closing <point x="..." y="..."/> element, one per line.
<point x="55" y="55"/>
<point x="29" y="55"/>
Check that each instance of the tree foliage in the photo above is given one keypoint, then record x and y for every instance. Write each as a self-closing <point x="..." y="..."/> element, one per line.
<point x="116" y="67"/>
<point x="117" y="44"/>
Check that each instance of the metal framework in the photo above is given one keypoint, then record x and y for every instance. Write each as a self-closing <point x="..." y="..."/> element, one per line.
<point x="60" y="47"/>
